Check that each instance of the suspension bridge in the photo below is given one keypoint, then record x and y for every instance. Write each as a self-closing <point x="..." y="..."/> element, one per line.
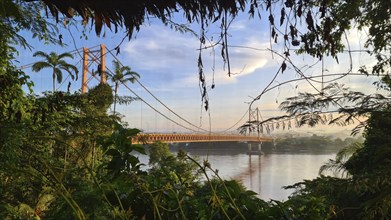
<point x="96" y="57"/>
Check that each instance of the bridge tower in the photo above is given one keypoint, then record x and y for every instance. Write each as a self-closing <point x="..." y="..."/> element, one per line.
<point x="254" y="119"/>
<point x="98" y="57"/>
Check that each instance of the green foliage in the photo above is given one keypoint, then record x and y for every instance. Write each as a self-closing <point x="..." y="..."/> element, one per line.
<point x="17" y="15"/>
<point x="56" y="140"/>
<point x="365" y="192"/>
<point x="338" y="166"/>
<point x="101" y="96"/>
<point x="120" y="148"/>
<point x="377" y="153"/>
<point x="313" y="142"/>
<point x="158" y="153"/>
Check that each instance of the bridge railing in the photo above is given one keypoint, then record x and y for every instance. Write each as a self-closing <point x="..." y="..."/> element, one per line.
<point x="178" y="138"/>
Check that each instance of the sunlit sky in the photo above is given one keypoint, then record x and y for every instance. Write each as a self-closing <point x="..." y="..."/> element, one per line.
<point x="167" y="63"/>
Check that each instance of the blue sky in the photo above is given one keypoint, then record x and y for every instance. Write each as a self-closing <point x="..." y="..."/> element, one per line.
<point x="167" y="63"/>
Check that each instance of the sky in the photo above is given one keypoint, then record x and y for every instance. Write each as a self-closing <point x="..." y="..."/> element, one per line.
<point x="167" y="63"/>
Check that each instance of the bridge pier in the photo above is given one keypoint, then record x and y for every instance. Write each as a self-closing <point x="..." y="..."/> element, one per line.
<point x="257" y="151"/>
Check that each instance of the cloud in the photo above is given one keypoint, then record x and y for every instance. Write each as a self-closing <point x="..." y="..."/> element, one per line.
<point x="173" y="56"/>
<point x="245" y="59"/>
<point x="239" y="25"/>
<point x="161" y="48"/>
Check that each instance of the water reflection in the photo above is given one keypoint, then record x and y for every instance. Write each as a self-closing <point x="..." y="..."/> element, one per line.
<point x="265" y="174"/>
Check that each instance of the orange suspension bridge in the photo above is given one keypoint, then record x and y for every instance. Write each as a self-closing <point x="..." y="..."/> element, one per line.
<point x="91" y="56"/>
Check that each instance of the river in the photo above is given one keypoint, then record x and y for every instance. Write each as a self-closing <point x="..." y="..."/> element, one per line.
<point x="265" y="174"/>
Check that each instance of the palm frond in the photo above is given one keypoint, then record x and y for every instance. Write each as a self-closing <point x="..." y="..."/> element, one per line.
<point x="71" y="69"/>
<point x="38" y="66"/>
<point x="65" y="55"/>
<point x="338" y="165"/>
<point x="41" y="54"/>
<point x="116" y="65"/>
<point x="58" y="74"/>
<point x="124" y="69"/>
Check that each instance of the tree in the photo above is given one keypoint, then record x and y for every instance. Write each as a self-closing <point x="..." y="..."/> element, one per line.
<point x="57" y="64"/>
<point x="364" y="191"/>
<point x="338" y="165"/>
<point x="122" y="74"/>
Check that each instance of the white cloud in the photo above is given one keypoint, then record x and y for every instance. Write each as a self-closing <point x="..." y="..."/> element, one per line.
<point x="161" y="48"/>
<point x="244" y="60"/>
<point x="239" y="25"/>
<point x="166" y="52"/>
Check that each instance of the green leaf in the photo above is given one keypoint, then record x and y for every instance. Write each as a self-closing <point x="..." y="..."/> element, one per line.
<point x="113" y="152"/>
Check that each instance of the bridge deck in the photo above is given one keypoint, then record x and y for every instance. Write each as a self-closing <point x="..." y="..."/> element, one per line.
<point x="183" y="138"/>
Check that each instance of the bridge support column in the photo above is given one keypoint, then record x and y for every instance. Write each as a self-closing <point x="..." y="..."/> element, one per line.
<point x="249" y="147"/>
<point x="257" y="151"/>
<point x="260" y="147"/>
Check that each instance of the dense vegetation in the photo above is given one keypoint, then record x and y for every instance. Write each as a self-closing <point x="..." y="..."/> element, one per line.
<point x="314" y="142"/>
<point x="63" y="156"/>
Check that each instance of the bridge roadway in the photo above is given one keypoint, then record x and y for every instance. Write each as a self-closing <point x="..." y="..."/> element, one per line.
<point x="185" y="138"/>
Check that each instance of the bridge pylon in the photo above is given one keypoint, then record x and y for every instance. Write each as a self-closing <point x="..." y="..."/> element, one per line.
<point x="253" y="119"/>
<point x="98" y="57"/>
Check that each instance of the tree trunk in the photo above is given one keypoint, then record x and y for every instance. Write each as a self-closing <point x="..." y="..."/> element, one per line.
<point x="54" y="81"/>
<point x="115" y="95"/>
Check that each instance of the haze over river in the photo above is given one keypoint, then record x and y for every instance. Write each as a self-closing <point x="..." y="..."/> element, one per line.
<point x="265" y="174"/>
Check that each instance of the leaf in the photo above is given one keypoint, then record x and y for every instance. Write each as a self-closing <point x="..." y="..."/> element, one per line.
<point x="132" y="160"/>
<point x="289" y="3"/>
<point x="273" y="33"/>
<point x="283" y="67"/>
<point x="293" y="31"/>
<point x="132" y="132"/>
<point x="118" y="50"/>
<point x="116" y="164"/>
<point x="268" y="4"/>
<point x="310" y="21"/>
<point x="299" y="10"/>
<point x="271" y="19"/>
<point x="282" y="18"/>
<point x="251" y="193"/>
<point x="98" y="23"/>
<point x="139" y="148"/>
<point x="113" y="152"/>
<point x="295" y="42"/>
